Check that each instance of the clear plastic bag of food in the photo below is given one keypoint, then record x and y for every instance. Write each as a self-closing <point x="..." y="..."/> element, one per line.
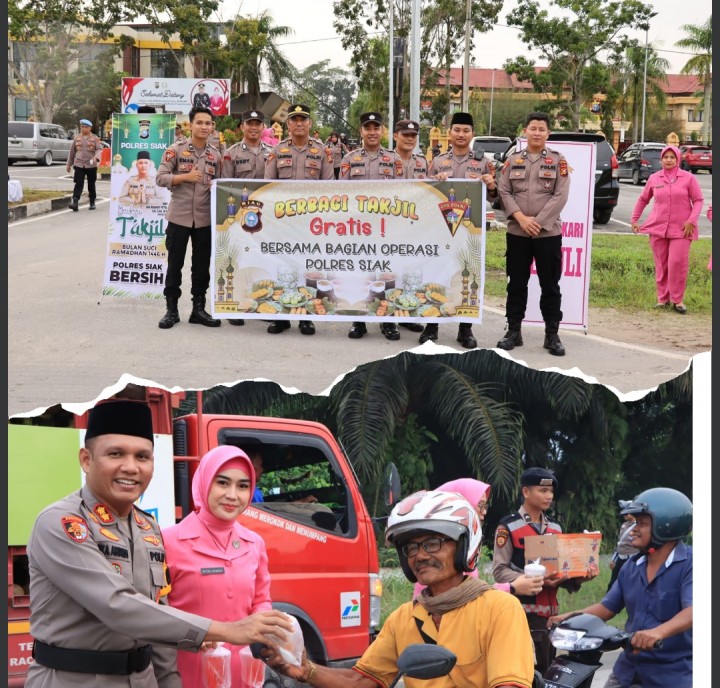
<point x="291" y="650"/>
<point x="216" y="667"/>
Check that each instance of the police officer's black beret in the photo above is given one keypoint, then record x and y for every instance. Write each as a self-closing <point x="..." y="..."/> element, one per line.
<point x="462" y="118"/>
<point x="143" y="155"/>
<point x="407" y="126"/>
<point x="298" y="110"/>
<point x="120" y="417"/>
<point x="538" y="476"/>
<point x="367" y="117"/>
<point x="250" y="115"/>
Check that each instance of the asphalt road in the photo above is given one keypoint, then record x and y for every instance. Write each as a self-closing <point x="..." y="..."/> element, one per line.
<point x="67" y="344"/>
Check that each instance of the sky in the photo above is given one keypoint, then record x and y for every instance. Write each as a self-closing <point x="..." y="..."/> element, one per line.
<point x="315" y="39"/>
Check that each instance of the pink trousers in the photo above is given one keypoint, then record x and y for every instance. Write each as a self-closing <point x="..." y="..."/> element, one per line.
<point x="671" y="267"/>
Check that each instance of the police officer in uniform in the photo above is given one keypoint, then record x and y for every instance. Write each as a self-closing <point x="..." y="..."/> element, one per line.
<point x="337" y="148"/>
<point x="246" y="159"/>
<point x="84" y="158"/>
<point x="217" y="139"/>
<point x="534" y="187"/>
<point x="140" y="188"/>
<point x="98" y="582"/>
<point x="188" y="167"/>
<point x="372" y="161"/>
<point x="201" y="99"/>
<point x="460" y="162"/>
<point x="415" y="166"/>
<point x="538" y="490"/>
<point x="298" y="157"/>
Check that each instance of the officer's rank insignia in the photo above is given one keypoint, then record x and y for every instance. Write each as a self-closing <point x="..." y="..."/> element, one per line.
<point x="109" y="535"/>
<point x="563" y="167"/>
<point x="344" y="167"/>
<point x="152" y="539"/>
<point x="548" y="161"/>
<point x="75" y="528"/>
<point x="502" y="536"/>
<point x="142" y="521"/>
<point x="101" y="511"/>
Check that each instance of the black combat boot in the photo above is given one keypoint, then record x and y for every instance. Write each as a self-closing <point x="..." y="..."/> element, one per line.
<point x="171" y="314"/>
<point x="513" y="336"/>
<point x="552" y="341"/>
<point x="74" y="205"/>
<point x="199" y="316"/>
<point x="429" y="333"/>
<point x="465" y="336"/>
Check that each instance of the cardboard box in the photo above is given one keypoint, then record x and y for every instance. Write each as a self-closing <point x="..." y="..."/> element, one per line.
<point x="569" y="554"/>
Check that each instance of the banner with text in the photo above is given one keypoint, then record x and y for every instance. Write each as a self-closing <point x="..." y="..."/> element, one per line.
<point x="576" y="219"/>
<point x="175" y="95"/>
<point x="136" y="256"/>
<point x="369" y="251"/>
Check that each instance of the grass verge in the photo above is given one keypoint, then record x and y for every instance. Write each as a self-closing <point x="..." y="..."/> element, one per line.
<point x="30" y="195"/>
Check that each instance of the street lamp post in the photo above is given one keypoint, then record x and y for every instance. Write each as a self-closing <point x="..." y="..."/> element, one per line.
<point x="642" y="127"/>
<point x="492" y="94"/>
<point x="415" y="61"/>
<point x="466" y="70"/>
<point x="391" y="85"/>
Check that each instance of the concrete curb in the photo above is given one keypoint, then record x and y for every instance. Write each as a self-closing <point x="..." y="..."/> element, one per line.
<point x="48" y="205"/>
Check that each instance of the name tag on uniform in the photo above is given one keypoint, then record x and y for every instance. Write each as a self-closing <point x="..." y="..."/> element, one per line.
<point x="214" y="571"/>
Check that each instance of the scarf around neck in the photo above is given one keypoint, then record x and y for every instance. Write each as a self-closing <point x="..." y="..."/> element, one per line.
<point x="454" y="598"/>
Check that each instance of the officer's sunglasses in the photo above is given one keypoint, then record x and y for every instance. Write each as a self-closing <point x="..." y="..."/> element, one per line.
<point x="430" y="545"/>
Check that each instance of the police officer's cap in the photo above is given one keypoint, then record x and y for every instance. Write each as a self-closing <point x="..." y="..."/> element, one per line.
<point x="298" y="110"/>
<point x="407" y="126"/>
<point x="368" y="117"/>
<point x="251" y="115"/>
<point x="538" y="476"/>
<point x="462" y="118"/>
<point x="86" y="122"/>
<point x="143" y="155"/>
<point x="120" y="417"/>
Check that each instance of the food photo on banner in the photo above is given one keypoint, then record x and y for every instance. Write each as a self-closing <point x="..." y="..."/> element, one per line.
<point x="385" y="251"/>
<point x="136" y="258"/>
<point x="576" y="219"/>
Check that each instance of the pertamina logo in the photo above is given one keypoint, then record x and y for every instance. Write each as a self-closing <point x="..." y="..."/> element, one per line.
<point x="350" y="609"/>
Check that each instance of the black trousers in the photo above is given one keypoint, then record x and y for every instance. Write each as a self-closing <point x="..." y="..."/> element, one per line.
<point x="336" y="170"/>
<point x="176" y="241"/>
<point x="79" y="179"/>
<point x="547" y="253"/>
<point x="544" y="651"/>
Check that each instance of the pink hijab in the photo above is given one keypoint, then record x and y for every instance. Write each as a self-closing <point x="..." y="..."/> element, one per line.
<point x="473" y="490"/>
<point x="268" y="136"/>
<point x="670" y="175"/>
<point x="211" y="464"/>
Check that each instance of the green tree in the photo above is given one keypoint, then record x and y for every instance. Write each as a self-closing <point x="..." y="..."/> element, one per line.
<point x="699" y="39"/>
<point x="48" y="36"/>
<point x="575" y="42"/>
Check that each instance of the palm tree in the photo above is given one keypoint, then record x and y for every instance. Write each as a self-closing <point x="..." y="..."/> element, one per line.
<point x="252" y="48"/>
<point x="699" y="39"/>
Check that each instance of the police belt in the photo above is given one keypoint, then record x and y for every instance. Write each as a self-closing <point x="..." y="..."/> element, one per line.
<point x="117" y="663"/>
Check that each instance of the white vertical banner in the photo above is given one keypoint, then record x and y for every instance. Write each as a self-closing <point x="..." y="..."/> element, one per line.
<point x="576" y="218"/>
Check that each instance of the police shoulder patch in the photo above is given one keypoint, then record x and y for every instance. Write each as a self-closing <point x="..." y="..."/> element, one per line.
<point x="270" y="157"/>
<point x="169" y="155"/>
<point x="75" y="528"/>
<point x="563" y="167"/>
<point x="501" y="536"/>
<point x="344" y="167"/>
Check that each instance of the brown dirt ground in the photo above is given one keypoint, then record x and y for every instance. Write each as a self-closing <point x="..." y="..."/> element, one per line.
<point x="667" y="330"/>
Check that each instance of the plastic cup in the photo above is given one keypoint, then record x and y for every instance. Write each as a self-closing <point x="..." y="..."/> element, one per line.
<point x="534" y="570"/>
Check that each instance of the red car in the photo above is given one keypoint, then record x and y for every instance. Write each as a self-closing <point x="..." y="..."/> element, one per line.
<point x="696" y="158"/>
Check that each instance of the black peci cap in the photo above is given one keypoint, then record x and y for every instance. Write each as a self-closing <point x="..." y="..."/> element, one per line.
<point x="538" y="476"/>
<point x="143" y="155"/>
<point x="462" y="118"/>
<point x="120" y="417"/>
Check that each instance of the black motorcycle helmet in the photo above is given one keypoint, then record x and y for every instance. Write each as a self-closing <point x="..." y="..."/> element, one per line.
<point x="671" y="513"/>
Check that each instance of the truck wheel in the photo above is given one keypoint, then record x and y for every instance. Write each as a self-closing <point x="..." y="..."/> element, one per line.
<point x="46" y="160"/>
<point x="602" y="217"/>
<point x="636" y="177"/>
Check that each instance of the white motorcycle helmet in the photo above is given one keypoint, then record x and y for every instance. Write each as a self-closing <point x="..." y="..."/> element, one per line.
<point x="446" y="513"/>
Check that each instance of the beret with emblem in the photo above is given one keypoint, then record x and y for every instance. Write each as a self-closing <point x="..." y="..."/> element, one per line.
<point x="250" y="115"/>
<point x="538" y="476"/>
<point x="407" y="126"/>
<point x="120" y="417"/>
<point x="462" y="118"/>
<point x="368" y="117"/>
<point x="298" y="110"/>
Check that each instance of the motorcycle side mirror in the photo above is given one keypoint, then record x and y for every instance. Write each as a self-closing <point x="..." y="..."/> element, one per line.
<point x="424" y="662"/>
<point x="391" y="485"/>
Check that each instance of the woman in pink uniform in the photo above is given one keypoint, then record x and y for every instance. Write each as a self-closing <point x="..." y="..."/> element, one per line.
<point x="217" y="567"/>
<point x="478" y="494"/>
<point x="672" y="225"/>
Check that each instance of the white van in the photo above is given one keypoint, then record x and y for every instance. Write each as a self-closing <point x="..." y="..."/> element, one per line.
<point x="39" y="141"/>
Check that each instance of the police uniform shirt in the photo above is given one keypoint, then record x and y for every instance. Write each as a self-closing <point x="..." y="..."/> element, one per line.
<point x="537" y="185"/>
<point x="190" y="202"/>
<point x="415" y="167"/>
<point x="97" y="582"/>
<point x="311" y="161"/>
<point x="84" y="151"/>
<point x="337" y="150"/>
<point x="137" y="191"/>
<point x="362" y="164"/>
<point x="217" y="140"/>
<point x="243" y="162"/>
<point x="463" y="167"/>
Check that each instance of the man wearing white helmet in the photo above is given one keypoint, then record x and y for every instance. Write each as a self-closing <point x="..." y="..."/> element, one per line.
<point x="437" y="536"/>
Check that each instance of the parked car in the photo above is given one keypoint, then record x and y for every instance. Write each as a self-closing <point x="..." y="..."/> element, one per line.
<point x="489" y="145"/>
<point x="639" y="161"/>
<point x="696" y="158"/>
<point x="39" y="141"/>
<point x="607" y="188"/>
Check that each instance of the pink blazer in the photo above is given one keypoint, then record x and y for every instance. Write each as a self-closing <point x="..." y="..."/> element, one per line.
<point x="224" y="585"/>
<point x="675" y="204"/>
